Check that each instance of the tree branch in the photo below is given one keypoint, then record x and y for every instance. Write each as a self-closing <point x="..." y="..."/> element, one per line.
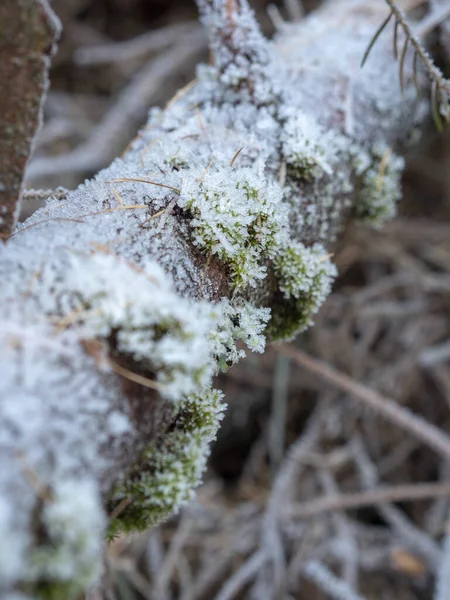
<point x="28" y="36"/>
<point x="120" y="303"/>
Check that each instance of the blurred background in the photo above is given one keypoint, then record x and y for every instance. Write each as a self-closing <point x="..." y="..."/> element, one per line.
<point x="309" y="495"/>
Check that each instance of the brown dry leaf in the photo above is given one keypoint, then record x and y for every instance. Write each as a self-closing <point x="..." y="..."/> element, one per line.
<point x="407" y="563"/>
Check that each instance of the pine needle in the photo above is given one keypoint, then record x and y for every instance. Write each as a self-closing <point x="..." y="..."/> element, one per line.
<point x="163" y="185"/>
<point x="378" y="32"/>
<point x="233" y="160"/>
<point x="134" y="377"/>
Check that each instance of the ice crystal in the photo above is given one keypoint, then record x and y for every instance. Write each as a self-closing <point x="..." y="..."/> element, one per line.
<point x="164" y="333"/>
<point x="74" y="524"/>
<point x="239" y="216"/>
<point x="306" y="147"/>
<point x="242" y="321"/>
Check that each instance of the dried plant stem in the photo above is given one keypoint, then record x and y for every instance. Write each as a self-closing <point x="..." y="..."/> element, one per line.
<point x="402" y="417"/>
<point x="242" y="576"/>
<point x="400" y="493"/>
<point x="433" y="71"/>
<point x="59" y="193"/>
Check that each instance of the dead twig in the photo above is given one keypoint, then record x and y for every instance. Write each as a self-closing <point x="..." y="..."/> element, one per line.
<point x="400" y="493"/>
<point x="429" y="434"/>
<point x="138" y="47"/>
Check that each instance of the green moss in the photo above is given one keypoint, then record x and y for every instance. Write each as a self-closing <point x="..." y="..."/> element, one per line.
<point x="170" y="472"/>
<point x="237" y="216"/>
<point x="55" y="590"/>
<point x="288" y="319"/>
<point x="305" y="276"/>
<point x="304" y="167"/>
<point x="379" y="187"/>
<point x="307" y="149"/>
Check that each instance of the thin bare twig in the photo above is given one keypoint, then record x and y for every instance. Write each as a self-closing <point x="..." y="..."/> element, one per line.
<point x="59" y="193"/>
<point x="279" y="409"/>
<point x="242" y="576"/>
<point x="383" y="495"/>
<point x="443" y="575"/>
<point x="429" y="434"/>
<point x="172" y="557"/>
<point x="137" y="47"/>
<point x="294" y="9"/>
<point x="29" y="30"/>
<point x="329" y="583"/>
<point x="416" y="539"/>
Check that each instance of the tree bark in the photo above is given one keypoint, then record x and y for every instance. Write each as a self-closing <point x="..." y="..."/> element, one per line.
<point x="28" y="32"/>
<point x="118" y="304"/>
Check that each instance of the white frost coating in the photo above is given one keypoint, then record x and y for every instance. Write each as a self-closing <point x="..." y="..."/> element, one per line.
<point x="11" y="554"/>
<point x="117" y="423"/>
<point x="86" y="267"/>
<point x="241" y="321"/>
<point x="25" y="354"/>
<point x="74" y="522"/>
<point x="167" y="334"/>
<point x="305" y="271"/>
<point x="252" y="322"/>
<point x="306" y="145"/>
<point x="238" y="215"/>
<point x="54" y="422"/>
<point x="242" y="55"/>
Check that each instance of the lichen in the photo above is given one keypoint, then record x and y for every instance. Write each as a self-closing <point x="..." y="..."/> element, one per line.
<point x="169" y="473"/>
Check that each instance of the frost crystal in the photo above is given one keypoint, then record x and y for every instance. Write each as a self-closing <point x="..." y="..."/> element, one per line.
<point x="241" y="321"/>
<point x="237" y="215"/>
<point x="307" y="149"/>
<point x="74" y="526"/>
<point x="143" y="317"/>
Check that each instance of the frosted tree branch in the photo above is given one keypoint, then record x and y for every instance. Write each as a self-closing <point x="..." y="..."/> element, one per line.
<point x="120" y="303"/>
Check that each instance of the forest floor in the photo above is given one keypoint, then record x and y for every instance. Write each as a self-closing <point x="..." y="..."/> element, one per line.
<point x="308" y="488"/>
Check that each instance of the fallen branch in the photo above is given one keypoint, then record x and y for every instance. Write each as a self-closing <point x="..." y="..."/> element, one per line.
<point x="242" y="253"/>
